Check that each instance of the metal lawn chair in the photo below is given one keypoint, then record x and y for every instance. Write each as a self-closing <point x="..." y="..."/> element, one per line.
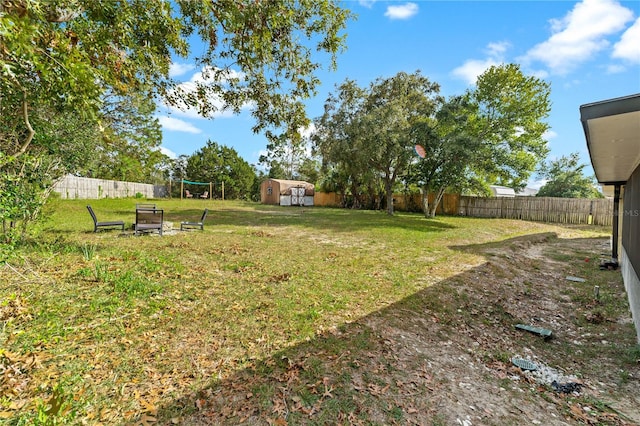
<point x="111" y="224"/>
<point x="148" y="220"/>
<point x="195" y="225"/>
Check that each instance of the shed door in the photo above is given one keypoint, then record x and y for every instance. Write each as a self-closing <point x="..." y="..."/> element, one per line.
<point x="297" y="196"/>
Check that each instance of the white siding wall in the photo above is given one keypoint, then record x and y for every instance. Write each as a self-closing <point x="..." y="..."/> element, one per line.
<point x="632" y="285"/>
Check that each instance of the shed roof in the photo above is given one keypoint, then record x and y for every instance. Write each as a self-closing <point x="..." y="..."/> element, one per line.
<point x="285" y="185"/>
<point x="612" y="130"/>
<point x="503" y="191"/>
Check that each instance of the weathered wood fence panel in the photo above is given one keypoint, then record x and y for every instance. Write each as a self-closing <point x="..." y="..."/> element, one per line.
<point x="88" y="188"/>
<point x="577" y="211"/>
<point x="542" y="209"/>
<point x="326" y="199"/>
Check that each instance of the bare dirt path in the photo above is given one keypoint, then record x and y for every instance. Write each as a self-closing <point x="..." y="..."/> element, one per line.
<point x="467" y="361"/>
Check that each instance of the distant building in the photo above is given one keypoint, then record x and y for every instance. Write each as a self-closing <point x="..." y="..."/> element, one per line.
<point x="287" y="192"/>
<point x="502" y="191"/>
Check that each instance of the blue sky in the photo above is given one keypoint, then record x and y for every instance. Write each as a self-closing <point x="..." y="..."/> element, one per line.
<point x="587" y="50"/>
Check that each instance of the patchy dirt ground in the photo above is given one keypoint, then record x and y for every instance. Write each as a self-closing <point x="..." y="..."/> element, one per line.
<point x="444" y="356"/>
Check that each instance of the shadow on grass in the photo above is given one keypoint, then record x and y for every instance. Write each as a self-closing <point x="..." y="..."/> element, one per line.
<point x="425" y="359"/>
<point x="514" y="243"/>
<point x="341" y="220"/>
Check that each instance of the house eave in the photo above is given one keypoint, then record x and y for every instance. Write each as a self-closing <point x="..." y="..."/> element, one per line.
<point x="612" y="131"/>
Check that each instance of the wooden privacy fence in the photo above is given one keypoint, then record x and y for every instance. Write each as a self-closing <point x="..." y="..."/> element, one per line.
<point x="327" y="199"/>
<point x="543" y="209"/>
<point x="88" y="188"/>
<point x="401" y="202"/>
<point x="413" y="203"/>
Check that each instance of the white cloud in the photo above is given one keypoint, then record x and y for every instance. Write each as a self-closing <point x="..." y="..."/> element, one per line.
<point x="175" y="124"/>
<point x="404" y="11"/>
<point x="628" y="48"/>
<point x="549" y="134"/>
<point x="367" y="3"/>
<point x="541" y="74"/>
<point x="206" y="76"/>
<point x="472" y="68"/>
<point x="615" y="69"/>
<point x="168" y="152"/>
<point x="177" y="69"/>
<point x="497" y="50"/>
<point x="579" y="35"/>
<point x="537" y="184"/>
<point x="308" y="131"/>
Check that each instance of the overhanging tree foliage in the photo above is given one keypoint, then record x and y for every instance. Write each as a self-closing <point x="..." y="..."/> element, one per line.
<point x="61" y="56"/>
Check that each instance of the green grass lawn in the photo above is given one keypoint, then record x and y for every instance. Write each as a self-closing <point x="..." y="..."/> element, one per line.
<point x="107" y="327"/>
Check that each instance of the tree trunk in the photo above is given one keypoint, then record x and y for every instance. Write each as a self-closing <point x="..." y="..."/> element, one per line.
<point x="354" y="194"/>
<point x="436" y="201"/>
<point x="30" y="131"/>
<point x="389" y="190"/>
<point x="425" y="202"/>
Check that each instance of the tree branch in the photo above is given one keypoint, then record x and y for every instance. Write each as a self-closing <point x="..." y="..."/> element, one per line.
<point x="25" y="115"/>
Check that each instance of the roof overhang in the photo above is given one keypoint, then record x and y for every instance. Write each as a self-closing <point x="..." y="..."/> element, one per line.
<point x="612" y="129"/>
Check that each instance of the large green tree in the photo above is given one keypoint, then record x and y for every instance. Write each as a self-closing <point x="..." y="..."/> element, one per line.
<point x="220" y="164"/>
<point x="391" y="109"/>
<point x="451" y="151"/>
<point x="492" y="134"/>
<point x="336" y="139"/>
<point x="369" y="131"/>
<point x="510" y="124"/>
<point x="566" y="179"/>
<point x="60" y="57"/>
